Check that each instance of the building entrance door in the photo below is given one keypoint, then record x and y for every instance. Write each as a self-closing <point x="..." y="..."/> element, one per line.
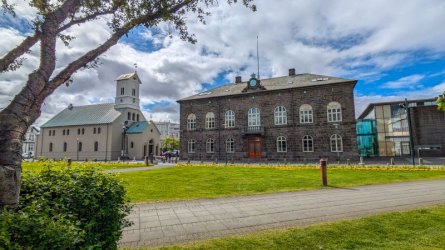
<point x="254" y="148"/>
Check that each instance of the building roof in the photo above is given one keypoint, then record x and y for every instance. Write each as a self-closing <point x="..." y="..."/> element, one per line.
<point x="137" y="127"/>
<point x="129" y="76"/>
<point x="277" y="83"/>
<point x="372" y="105"/>
<point x="84" y="115"/>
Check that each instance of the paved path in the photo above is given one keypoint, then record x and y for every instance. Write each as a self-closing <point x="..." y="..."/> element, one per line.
<point x="125" y="170"/>
<point x="176" y="222"/>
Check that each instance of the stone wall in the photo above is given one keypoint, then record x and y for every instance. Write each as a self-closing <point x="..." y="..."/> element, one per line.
<point x="429" y="129"/>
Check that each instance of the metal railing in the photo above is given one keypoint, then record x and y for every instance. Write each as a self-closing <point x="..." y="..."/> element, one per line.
<point x="250" y="130"/>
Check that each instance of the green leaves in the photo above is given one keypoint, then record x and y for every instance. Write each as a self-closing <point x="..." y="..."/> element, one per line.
<point x="74" y="208"/>
<point x="441" y="102"/>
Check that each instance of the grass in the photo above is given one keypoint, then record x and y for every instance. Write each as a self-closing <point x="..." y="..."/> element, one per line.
<point x="195" y="182"/>
<point x="37" y="166"/>
<point x="417" y="229"/>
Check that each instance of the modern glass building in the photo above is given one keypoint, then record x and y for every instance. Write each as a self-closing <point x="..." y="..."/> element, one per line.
<point x="383" y="130"/>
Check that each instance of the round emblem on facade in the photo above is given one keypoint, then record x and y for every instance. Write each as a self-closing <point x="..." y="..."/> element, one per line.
<point x="252" y="83"/>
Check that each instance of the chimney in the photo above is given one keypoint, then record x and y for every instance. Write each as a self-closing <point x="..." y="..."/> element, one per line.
<point x="238" y="79"/>
<point x="291" y="72"/>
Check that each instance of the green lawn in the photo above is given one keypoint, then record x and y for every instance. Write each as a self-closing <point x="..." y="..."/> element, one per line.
<point x="418" y="229"/>
<point x="37" y="166"/>
<point x="194" y="182"/>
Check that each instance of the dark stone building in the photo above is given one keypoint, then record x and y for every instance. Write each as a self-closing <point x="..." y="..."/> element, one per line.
<point x="299" y="117"/>
<point x="392" y="130"/>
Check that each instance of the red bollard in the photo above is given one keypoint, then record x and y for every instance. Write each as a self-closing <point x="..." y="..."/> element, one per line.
<point x="324" y="172"/>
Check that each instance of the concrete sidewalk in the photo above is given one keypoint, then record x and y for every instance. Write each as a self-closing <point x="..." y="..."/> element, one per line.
<point x="176" y="222"/>
<point x="126" y="170"/>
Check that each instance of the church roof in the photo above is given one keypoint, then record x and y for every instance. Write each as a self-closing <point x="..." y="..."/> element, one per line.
<point x="137" y="127"/>
<point x="133" y="75"/>
<point x="84" y="115"/>
<point x="277" y="83"/>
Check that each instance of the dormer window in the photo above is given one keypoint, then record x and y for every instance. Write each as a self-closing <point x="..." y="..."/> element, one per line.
<point x="122" y="91"/>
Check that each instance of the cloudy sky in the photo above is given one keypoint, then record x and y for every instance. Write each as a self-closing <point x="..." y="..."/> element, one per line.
<point x="396" y="49"/>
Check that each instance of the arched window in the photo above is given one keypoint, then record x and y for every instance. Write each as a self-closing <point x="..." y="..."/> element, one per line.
<point x="308" y="144"/>
<point x="96" y="146"/>
<point x="336" y="143"/>
<point x="137" y="117"/>
<point x="79" y="146"/>
<point x="191" y="146"/>
<point x="129" y="116"/>
<point x="230" y="145"/>
<point x="98" y="130"/>
<point x="65" y="147"/>
<point x="334" y="112"/>
<point x="133" y="117"/>
<point x="83" y="131"/>
<point x="306" y="114"/>
<point x="191" y="122"/>
<point x="67" y="132"/>
<point x="78" y="131"/>
<point x="210" y="146"/>
<point x="131" y="144"/>
<point x="229" y="119"/>
<point x="253" y="117"/>
<point x="94" y="130"/>
<point x="63" y="132"/>
<point x="281" y="144"/>
<point x="50" y="147"/>
<point x="210" y="120"/>
<point x="280" y="115"/>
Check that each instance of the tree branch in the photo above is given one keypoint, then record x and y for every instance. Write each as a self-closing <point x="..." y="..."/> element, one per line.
<point x="30" y="41"/>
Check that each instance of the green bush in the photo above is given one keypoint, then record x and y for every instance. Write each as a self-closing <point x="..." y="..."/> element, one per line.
<point x="87" y="209"/>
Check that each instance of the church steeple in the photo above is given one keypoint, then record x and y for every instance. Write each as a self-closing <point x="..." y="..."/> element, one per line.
<point x="127" y="91"/>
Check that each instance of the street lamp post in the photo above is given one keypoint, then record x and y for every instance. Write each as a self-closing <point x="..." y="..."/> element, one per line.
<point x="124" y="152"/>
<point x="406" y="106"/>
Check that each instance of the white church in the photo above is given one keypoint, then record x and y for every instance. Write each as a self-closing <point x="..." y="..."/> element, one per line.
<point x="109" y="131"/>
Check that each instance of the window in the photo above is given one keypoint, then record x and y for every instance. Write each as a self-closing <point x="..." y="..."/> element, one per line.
<point x="336" y="143"/>
<point x="96" y="146"/>
<point x="133" y="117"/>
<point x="54" y="132"/>
<point x="67" y="132"/>
<point x="122" y="91"/>
<point x="191" y="122"/>
<point x="65" y="146"/>
<point x="308" y="144"/>
<point x="63" y="132"/>
<point x="94" y="130"/>
<point x="210" y="120"/>
<point x="253" y="117"/>
<point x="137" y="117"/>
<point x="49" y="133"/>
<point x="129" y="116"/>
<point x="131" y="145"/>
<point x="98" y="130"/>
<point x="134" y="100"/>
<point x="79" y="146"/>
<point x="50" y="147"/>
<point x="306" y="114"/>
<point x="334" y="112"/>
<point x="230" y="145"/>
<point x="281" y="144"/>
<point x="78" y="131"/>
<point x="280" y="115"/>
<point x="210" y="146"/>
<point x="133" y="92"/>
<point x="229" y="119"/>
<point x="83" y="131"/>
<point x="191" y="146"/>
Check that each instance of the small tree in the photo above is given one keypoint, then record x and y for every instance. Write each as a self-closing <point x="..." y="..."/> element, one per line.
<point x="52" y="19"/>
<point x="441" y="102"/>
<point x="171" y="143"/>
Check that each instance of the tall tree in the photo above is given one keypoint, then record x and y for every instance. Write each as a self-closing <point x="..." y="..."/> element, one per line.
<point x="441" y="102"/>
<point x="52" y="19"/>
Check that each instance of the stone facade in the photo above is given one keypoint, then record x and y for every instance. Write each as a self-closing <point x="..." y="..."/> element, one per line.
<point x="318" y="96"/>
<point x="428" y="130"/>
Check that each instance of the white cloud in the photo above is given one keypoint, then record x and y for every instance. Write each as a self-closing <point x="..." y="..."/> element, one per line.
<point x="409" y="82"/>
<point x="337" y="38"/>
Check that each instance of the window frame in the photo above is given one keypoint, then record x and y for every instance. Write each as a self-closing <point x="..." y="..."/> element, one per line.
<point x="229" y="119"/>
<point x="230" y="146"/>
<point x="336" y="138"/>
<point x="334" y="111"/>
<point x="191" y="146"/>
<point x="281" y="143"/>
<point x="210" y="122"/>
<point x="210" y="146"/>
<point x="254" y="118"/>
<point x="280" y="116"/>
<point x="191" y="122"/>
<point x="306" y="114"/>
<point x="305" y="144"/>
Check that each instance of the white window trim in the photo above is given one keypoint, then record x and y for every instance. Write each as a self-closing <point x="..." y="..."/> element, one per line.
<point x="210" y="149"/>
<point x="306" y="111"/>
<point x="231" y="141"/>
<point x="336" y="138"/>
<point x="279" y="150"/>
<point x="254" y="119"/>
<point x="210" y="121"/>
<point x="189" y="143"/>
<point x="309" y="138"/>
<point x="229" y="119"/>
<point x="280" y="116"/>
<point x="191" y="122"/>
<point x="334" y="110"/>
